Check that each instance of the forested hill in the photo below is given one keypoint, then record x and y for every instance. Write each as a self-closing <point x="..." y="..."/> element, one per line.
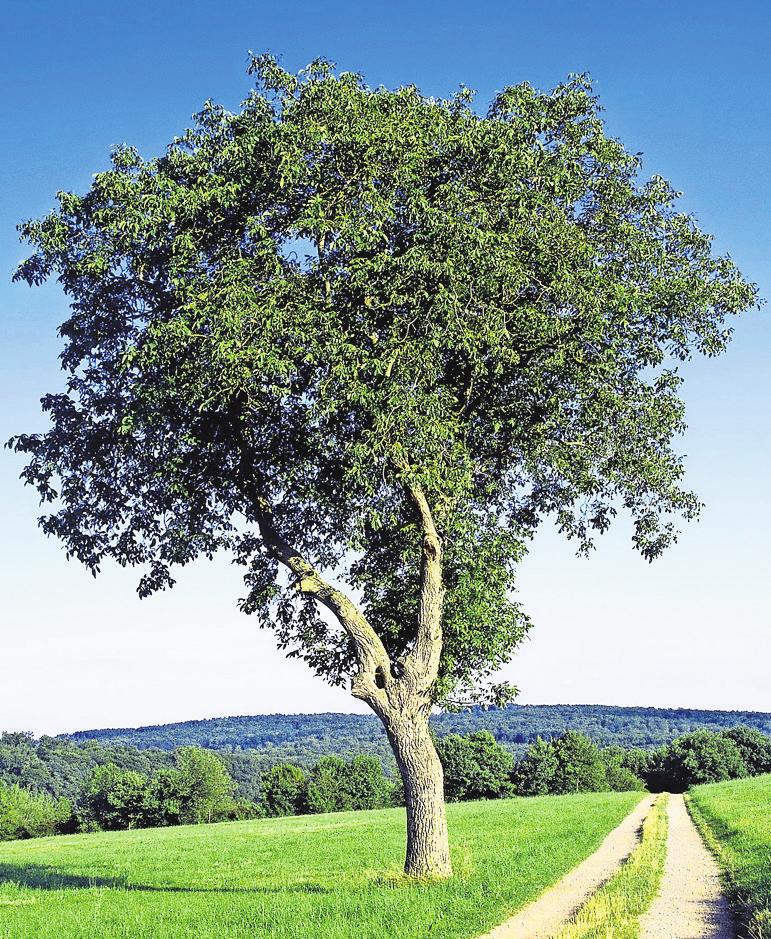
<point x="513" y="726"/>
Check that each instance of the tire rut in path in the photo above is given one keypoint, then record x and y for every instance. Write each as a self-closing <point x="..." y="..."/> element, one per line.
<point x="690" y="903"/>
<point x="552" y="910"/>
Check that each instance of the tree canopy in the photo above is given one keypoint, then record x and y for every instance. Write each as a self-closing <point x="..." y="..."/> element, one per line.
<point x="342" y="326"/>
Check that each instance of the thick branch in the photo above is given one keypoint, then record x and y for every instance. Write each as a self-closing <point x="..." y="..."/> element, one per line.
<point x="371" y="655"/>
<point x="425" y="657"/>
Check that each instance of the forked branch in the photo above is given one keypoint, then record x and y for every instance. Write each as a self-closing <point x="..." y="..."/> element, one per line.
<point x="425" y="657"/>
<point x="371" y="655"/>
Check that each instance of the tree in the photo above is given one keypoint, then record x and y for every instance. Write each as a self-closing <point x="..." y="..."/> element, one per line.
<point x="619" y="776"/>
<point x="535" y="772"/>
<point x="327" y="789"/>
<point x="167" y="797"/>
<point x="368" y="786"/>
<point x="700" y="757"/>
<point x="579" y="765"/>
<point x="754" y="748"/>
<point x="205" y="783"/>
<point x="25" y="814"/>
<point x="367" y="340"/>
<point x="284" y="790"/>
<point x="117" y="799"/>
<point x="337" y="785"/>
<point x="475" y="767"/>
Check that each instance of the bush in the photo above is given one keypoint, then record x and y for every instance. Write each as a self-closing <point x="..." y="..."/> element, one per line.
<point x="26" y="814"/>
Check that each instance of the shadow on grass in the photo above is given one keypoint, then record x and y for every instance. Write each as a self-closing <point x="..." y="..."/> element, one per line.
<point x="45" y="877"/>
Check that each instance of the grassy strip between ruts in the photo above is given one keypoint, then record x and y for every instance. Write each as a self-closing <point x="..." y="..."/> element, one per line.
<point x="326" y="876"/>
<point x="616" y="908"/>
<point x="734" y="819"/>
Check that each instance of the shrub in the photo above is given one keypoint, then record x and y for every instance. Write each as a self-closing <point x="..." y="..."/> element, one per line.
<point x="26" y="814"/>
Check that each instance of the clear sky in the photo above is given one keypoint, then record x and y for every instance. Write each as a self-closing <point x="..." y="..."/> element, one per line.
<point x="685" y="83"/>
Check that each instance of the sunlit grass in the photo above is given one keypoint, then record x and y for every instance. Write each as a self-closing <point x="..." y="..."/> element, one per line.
<point x="321" y="876"/>
<point x="735" y="819"/>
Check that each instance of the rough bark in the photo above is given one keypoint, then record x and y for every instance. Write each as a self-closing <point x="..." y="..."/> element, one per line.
<point x="428" y="847"/>
<point x="401" y="697"/>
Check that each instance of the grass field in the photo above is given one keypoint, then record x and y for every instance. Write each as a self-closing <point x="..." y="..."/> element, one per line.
<point x="735" y="818"/>
<point x="323" y="876"/>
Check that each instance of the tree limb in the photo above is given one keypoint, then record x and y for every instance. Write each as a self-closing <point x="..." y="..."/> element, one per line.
<point x="371" y="655"/>
<point x="423" y="661"/>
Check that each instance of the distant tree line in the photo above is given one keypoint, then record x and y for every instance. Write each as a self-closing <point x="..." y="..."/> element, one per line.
<point x="302" y="738"/>
<point x="196" y="789"/>
<point x="477" y="767"/>
<point x="127" y="788"/>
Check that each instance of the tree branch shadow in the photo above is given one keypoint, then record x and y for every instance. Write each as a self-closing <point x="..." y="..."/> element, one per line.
<point x="47" y="877"/>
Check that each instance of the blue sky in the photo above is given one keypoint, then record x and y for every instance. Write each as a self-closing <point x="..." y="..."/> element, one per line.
<point x="687" y="84"/>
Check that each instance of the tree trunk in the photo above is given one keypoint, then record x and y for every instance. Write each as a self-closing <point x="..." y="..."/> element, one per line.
<point x="428" y="848"/>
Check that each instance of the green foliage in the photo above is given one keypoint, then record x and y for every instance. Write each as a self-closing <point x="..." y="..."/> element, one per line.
<point x="167" y="798"/>
<point x="580" y="767"/>
<point x="303" y="738"/>
<point x="25" y="814"/>
<point x="753" y="746"/>
<point x="198" y="790"/>
<point x="58" y="767"/>
<point x="335" y="785"/>
<point x="696" y="758"/>
<point x="367" y="785"/>
<point x="116" y="798"/>
<point x="334" y="293"/>
<point x="475" y="767"/>
<point x="734" y="817"/>
<point x="535" y="773"/>
<point x="573" y="763"/>
<point x="205" y="783"/>
<point x="284" y="789"/>
<point x="326" y="786"/>
<point x="329" y="877"/>
<point x="620" y="777"/>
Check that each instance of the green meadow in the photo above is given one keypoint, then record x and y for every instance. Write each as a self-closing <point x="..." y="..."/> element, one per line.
<point x="735" y="818"/>
<point x="323" y="876"/>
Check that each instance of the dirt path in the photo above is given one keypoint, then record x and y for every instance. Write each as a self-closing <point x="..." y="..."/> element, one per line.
<point x="690" y="904"/>
<point x="554" y="908"/>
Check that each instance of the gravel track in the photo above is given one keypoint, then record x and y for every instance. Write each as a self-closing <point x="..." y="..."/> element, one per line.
<point x="690" y="903"/>
<point x="546" y="915"/>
